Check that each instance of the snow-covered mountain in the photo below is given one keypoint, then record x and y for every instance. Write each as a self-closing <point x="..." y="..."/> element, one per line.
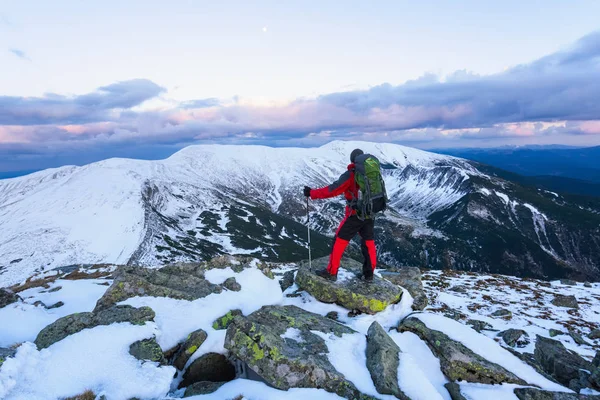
<point x="212" y="199"/>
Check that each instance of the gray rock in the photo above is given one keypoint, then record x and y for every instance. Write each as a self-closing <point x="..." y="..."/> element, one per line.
<point x="454" y="314"/>
<point x="588" y="285"/>
<point x="7" y="297"/>
<point x="352" y="293"/>
<point x="502" y="313"/>
<point x="595" y="334"/>
<point x="287" y="280"/>
<point x="56" y="305"/>
<point x="147" y="350"/>
<point x="212" y="367"/>
<point x="71" y="324"/>
<point x="382" y="361"/>
<point x="578" y="338"/>
<point x="232" y="284"/>
<point x="529" y="359"/>
<point x="5" y="353"/>
<point x="558" y="362"/>
<point x="515" y="337"/>
<point x="188" y="348"/>
<point x="185" y="281"/>
<point x="285" y="363"/>
<point x="410" y="279"/>
<point x="454" y="389"/>
<point x="555" y="332"/>
<point x="458" y="289"/>
<point x="536" y="394"/>
<point x="224" y="321"/>
<point x="457" y="361"/>
<point x="568" y="282"/>
<point x="479" y="325"/>
<point x="203" y="387"/>
<point x="565" y="301"/>
<point x="332" y="315"/>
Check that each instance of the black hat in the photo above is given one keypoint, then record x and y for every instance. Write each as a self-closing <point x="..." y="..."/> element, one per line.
<point x="355" y="153"/>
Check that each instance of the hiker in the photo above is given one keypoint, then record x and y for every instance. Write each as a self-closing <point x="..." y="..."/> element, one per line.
<point x="364" y="190"/>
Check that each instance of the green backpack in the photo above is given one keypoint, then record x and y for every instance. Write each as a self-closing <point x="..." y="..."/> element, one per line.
<point x="372" y="196"/>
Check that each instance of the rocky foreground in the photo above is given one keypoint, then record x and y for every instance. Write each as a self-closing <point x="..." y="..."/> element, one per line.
<point x="239" y="328"/>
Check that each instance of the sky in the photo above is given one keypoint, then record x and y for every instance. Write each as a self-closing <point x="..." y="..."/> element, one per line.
<point x="84" y="81"/>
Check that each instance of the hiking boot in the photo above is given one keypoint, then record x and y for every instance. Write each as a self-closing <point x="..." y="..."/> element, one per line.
<point x="365" y="278"/>
<point x="323" y="273"/>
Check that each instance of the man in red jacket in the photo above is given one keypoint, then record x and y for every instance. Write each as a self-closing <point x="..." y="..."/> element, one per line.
<point x="350" y="225"/>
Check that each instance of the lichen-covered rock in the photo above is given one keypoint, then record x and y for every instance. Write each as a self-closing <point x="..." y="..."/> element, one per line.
<point x="188" y="348"/>
<point x="5" y="353"/>
<point x="232" y="284"/>
<point x="457" y="361"/>
<point x="204" y="387"/>
<point x="479" y="325"/>
<point x="558" y="362"/>
<point x="224" y="321"/>
<point x="454" y="389"/>
<point x="502" y="313"/>
<point x="351" y="293"/>
<point x="212" y="367"/>
<point x="147" y="350"/>
<point x="71" y="324"/>
<point x="7" y="297"/>
<point x="382" y="361"/>
<point x="515" y="337"/>
<point x="565" y="301"/>
<point x="410" y="279"/>
<point x="180" y="281"/>
<point x="287" y="363"/>
<point x="537" y="394"/>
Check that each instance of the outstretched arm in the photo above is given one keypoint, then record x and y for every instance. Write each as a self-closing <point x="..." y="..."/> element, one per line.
<point x="335" y="189"/>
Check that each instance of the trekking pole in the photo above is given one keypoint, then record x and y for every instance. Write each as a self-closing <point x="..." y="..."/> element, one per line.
<point x="308" y="226"/>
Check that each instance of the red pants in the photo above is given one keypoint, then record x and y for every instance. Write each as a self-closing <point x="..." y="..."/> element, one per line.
<point x="349" y="227"/>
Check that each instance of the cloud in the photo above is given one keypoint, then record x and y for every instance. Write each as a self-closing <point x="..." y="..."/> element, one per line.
<point x="551" y="99"/>
<point x="19" y="53"/>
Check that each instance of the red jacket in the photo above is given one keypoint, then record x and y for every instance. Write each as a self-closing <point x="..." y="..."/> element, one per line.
<point x="345" y="184"/>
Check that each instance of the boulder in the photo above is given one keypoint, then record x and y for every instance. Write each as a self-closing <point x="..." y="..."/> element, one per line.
<point x="515" y="337"/>
<point x="479" y="325"/>
<point x="555" y="332"/>
<point x="224" y="321"/>
<point x="410" y="279"/>
<point x="595" y="334"/>
<point x="147" y="350"/>
<point x="457" y="361"/>
<point x="454" y="389"/>
<point x="537" y="394"/>
<point x="5" y="353"/>
<point x="283" y="362"/>
<point x="563" y="365"/>
<point x="349" y="292"/>
<point x="529" y="359"/>
<point x="7" y="297"/>
<point x="332" y="315"/>
<point x="212" y="367"/>
<point x="578" y="338"/>
<point x="454" y="314"/>
<point x="587" y="285"/>
<point x="458" y="289"/>
<point x="287" y="280"/>
<point x="383" y="361"/>
<point x="232" y="284"/>
<point x="181" y="281"/>
<point x="71" y="324"/>
<point x="502" y="313"/>
<point x="568" y="282"/>
<point x="188" y="348"/>
<point x="565" y="301"/>
<point x="204" y="387"/>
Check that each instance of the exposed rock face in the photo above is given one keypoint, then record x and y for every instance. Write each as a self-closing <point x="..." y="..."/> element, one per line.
<point x="578" y="338"/>
<point x="382" y="361"/>
<point x="286" y="363"/>
<point x="287" y="280"/>
<point x="536" y="394"/>
<point x="232" y="284"/>
<point x="454" y="389"/>
<point x="71" y="324"/>
<point x="457" y="361"/>
<point x="410" y="279"/>
<point x="558" y="362"/>
<point x="502" y="313"/>
<point x="7" y="297"/>
<point x="147" y="350"/>
<point x="479" y="325"/>
<point x="5" y="353"/>
<point x="203" y="387"/>
<point x="351" y="293"/>
<point x="212" y="367"/>
<point x="565" y="301"/>
<point x="224" y="321"/>
<point x="514" y="337"/>
<point x="188" y="348"/>
<point x="185" y="281"/>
